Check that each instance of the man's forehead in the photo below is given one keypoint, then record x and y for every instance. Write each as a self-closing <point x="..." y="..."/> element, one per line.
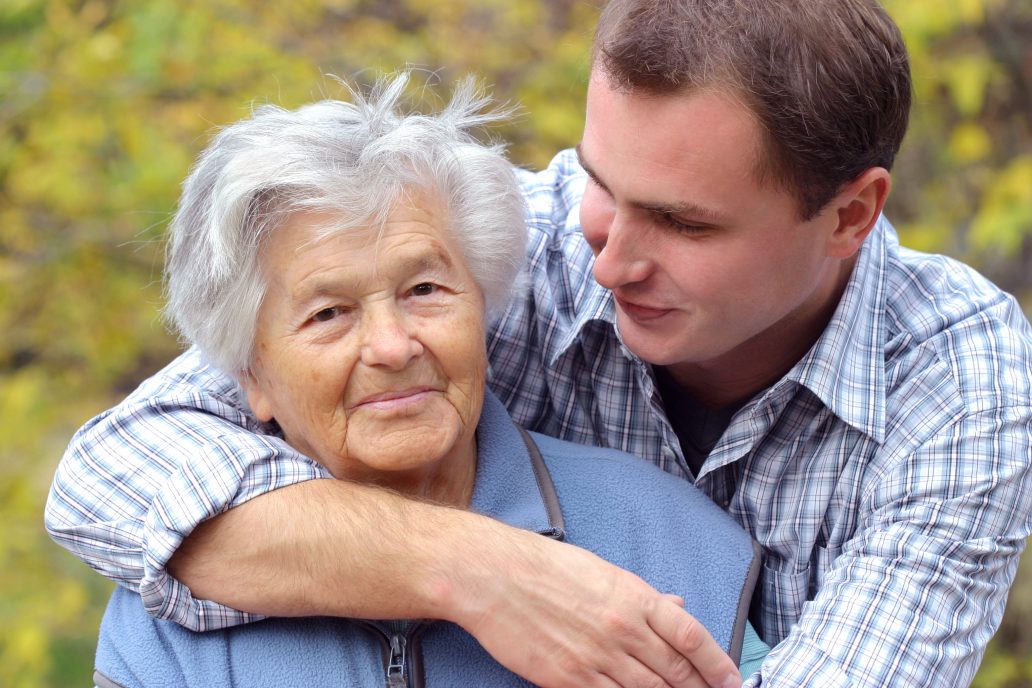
<point x="709" y="128"/>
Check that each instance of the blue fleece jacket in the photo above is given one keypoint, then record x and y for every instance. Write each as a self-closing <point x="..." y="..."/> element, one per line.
<point x="619" y="507"/>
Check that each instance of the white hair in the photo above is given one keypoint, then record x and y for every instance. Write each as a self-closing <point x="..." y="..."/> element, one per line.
<point x="356" y="159"/>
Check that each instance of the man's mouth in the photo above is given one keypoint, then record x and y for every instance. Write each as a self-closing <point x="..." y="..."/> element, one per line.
<point x="640" y="312"/>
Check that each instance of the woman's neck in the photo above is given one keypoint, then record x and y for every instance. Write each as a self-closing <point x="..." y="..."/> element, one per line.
<point x="449" y="481"/>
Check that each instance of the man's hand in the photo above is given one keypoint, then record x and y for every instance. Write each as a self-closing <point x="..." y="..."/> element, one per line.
<point x="553" y="613"/>
<point x="561" y="617"/>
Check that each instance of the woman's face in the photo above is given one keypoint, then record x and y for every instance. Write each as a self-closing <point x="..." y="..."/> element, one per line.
<point x="369" y="350"/>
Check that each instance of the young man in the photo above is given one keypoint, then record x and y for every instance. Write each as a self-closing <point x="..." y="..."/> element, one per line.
<point x="719" y="295"/>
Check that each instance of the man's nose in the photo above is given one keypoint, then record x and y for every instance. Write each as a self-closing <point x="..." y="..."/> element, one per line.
<point x="388" y="340"/>
<point x="621" y="255"/>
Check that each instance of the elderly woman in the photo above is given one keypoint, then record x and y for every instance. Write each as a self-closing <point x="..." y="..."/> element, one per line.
<point x="340" y="261"/>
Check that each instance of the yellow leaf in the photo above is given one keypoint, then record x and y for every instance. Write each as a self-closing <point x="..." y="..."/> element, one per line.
<point x="967" y="79"/>
<point x="928" y="237"/>
<point x="969" y="143"/>
<point x="970" y="11"/>
<point x="1005" y="217"/>
<point x="27" y="646"/>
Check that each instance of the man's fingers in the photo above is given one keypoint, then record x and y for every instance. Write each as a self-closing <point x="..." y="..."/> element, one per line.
<point x="645" y="660"/>
<point x="666" y="668"/>
<point x="706" y="663"/>
<point x="634" y="674"/>
<point x="659" y="663"/>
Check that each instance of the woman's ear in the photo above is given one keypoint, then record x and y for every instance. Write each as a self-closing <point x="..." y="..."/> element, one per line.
<point x="257" y="399"/>
<point x="858" y="206"/>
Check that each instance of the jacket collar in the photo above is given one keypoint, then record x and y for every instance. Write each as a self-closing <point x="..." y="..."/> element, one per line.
<point x="512" y="485"/>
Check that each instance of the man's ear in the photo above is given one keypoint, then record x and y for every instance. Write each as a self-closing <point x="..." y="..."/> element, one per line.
<point x="857" y="207"/>
<point x="257" y="398"/>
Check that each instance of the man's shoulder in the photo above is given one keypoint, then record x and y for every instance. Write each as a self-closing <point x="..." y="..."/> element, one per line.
<point x="939" y="307"/>
<point x="928" y="294"/>
<point x="188" y="396"/>
<point x="958" y="351"/>
<point x="553" y="198"/>
<point x="189" y="372"/>
<point x="558" y="293"/>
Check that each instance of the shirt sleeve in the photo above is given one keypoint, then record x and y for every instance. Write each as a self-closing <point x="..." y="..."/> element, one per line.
<point x="136" y="480"/>
<point x="916" y="594"/>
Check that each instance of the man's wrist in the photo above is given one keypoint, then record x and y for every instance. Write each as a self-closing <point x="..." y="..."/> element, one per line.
<point x="467" y="568"/>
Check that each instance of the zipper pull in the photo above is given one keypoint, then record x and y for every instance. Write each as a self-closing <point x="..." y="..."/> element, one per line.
<point x="396" y="663"/>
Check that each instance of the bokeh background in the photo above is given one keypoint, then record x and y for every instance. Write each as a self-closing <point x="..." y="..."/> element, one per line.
<point x="104" y="104"/>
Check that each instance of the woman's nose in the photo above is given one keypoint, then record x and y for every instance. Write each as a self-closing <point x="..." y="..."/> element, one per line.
<point x="388" y="342"/>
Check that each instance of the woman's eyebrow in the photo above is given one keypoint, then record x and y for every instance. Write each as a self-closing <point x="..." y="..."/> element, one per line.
<point x="435" y="258"/>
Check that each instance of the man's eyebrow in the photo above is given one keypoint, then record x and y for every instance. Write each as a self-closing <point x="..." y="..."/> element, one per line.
<point x="587" y="168"/>
<point x="691" y="211"/>
<point x="696" y="213"/>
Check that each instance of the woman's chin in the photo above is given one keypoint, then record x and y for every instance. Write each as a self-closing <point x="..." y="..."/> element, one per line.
<point x="406" y="449"/>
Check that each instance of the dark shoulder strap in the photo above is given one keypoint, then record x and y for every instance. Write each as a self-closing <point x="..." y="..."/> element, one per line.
<point x="545" y="485"/>
<point x="745" y="597"/>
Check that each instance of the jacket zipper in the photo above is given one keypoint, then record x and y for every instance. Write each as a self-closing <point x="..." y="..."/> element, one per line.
<point x="401" y="643"/>
<point x="403" y="667"/>
<point x="396" y="662"/>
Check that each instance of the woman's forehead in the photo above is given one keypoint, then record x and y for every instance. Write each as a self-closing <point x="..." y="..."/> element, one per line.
<point x="305" y="260"/>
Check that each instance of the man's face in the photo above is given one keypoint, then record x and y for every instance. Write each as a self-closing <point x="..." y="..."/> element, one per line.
<point x="711" y="269"/>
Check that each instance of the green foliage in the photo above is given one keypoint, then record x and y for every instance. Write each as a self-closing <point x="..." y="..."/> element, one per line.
<point x="963" y="176"/>
<point x="105" y="103"/>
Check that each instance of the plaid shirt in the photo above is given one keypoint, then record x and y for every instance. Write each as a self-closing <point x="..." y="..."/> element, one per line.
<point x="887" y="476"/>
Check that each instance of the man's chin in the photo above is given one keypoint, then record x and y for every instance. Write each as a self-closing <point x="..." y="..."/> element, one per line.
<point x="650" y="344"/>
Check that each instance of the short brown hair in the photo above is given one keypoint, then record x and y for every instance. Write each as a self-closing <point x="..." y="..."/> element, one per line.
<point x="828" y="80"/>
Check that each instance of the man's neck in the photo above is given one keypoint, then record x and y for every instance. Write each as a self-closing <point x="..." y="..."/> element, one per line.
<point x="717" y="389"/>
<point x="698" y="427"/>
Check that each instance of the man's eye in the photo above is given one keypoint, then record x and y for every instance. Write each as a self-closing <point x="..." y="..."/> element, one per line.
<point x="681" y="227"/>
<point x="424" y="289"/>
<point x="326" y="314"/>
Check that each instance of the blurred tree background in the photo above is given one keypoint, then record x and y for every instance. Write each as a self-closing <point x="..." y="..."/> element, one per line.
<point x="105" y="103"/>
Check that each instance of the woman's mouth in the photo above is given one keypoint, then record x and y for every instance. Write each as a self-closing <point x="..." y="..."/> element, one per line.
<point x="394" y="400"/>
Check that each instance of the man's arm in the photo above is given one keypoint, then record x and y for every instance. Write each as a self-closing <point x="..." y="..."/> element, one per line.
<point x="137" y="479"/>
<point x="551" y="612"/>
<point x="138" y="482"/>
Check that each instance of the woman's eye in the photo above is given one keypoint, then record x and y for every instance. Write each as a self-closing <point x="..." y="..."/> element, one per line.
<point x="326" y="314"/>
<point x="424" y="289"/>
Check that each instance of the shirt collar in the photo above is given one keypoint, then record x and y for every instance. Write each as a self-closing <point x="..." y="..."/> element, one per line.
<point x="845" y="368"/>
<point x="591" y="303"/>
